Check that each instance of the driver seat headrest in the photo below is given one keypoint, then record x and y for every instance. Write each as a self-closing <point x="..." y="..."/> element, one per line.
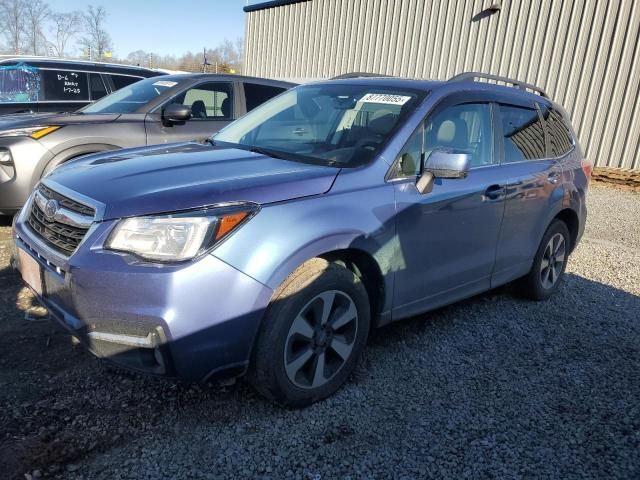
<point x="382" y="122"/>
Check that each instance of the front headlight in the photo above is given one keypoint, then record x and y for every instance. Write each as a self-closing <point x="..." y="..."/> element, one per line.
<point x="33" y="132"/>
<point x="181" y="236"/>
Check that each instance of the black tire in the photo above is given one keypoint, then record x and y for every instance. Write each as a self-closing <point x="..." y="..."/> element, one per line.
<point x="270" y="370"/>
<point x="533" y="285"/>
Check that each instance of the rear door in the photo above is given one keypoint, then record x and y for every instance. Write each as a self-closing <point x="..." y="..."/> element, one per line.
<point x="212" y="108"/>
<point x="534" y="188"/>
<point x="447" y="237"/>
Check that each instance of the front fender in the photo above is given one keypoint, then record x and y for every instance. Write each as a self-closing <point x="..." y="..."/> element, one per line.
<point x="281" y="237"/>
<point x="71" y="153"/>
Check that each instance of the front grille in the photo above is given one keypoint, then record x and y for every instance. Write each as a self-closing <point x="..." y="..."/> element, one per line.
<point x="67" y="202"/>
<point x="59" y="236"/>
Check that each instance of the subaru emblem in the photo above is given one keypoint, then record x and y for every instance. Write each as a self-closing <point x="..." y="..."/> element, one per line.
<point x="50" y="209"/>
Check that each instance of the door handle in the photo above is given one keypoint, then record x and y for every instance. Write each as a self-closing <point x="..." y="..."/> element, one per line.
<point x="494" y="192"/>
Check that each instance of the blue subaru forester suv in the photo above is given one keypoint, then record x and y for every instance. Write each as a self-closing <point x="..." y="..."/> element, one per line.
<point x="275" y="247"/>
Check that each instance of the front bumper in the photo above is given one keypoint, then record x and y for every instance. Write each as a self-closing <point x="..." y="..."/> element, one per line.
<point x="195" y="320"/>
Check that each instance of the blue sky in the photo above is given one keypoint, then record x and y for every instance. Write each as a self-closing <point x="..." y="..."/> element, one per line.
<point x="166" y="26"/>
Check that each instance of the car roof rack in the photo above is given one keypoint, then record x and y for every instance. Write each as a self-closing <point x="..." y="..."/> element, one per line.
<point x="473" y="76"/>
<point x="358" y="75"/>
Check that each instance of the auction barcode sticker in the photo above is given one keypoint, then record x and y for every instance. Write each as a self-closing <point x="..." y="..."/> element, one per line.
<point x="165" y="83"/>
<point x="385" y="98"/>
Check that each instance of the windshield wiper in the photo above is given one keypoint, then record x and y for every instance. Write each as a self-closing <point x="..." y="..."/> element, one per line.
<point x="268" y="153"/>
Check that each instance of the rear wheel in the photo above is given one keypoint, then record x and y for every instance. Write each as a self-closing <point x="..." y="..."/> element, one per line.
<point x="549" y="264"/>
<point x="314" y="331"/>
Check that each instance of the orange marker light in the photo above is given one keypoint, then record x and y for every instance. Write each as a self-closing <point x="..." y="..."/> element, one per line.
<point x="45" y="131"/>
<point x="229" y="222"/>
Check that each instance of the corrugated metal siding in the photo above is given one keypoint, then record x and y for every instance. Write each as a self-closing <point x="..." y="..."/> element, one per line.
<point x="584" y="53"/>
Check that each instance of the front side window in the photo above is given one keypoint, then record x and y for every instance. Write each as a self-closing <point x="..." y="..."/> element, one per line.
<point x="209" y="101"/>
<point x="333" y="124"/>
<point x="130" y="99"/>
<point x="559" y="137"/>
<point x="523" y="134"/>
<point x="463" y="128"/>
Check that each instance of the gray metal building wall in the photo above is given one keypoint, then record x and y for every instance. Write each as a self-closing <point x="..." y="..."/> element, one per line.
<point x="584" y="53"/>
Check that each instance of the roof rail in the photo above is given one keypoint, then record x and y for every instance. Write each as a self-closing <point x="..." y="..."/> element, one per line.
<point x="509" y="81"/>
<point x="358" y="75"/>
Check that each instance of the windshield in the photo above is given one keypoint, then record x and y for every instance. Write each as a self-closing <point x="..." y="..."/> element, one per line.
<point x="129" y="99"/>
<point x="334" y="124"/>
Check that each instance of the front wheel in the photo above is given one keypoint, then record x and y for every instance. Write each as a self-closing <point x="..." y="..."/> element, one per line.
<point x="549" y="264"/>
<point x="314" y="331"/>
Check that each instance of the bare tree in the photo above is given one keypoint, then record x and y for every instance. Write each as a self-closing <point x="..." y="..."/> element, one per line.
<point x="36" y="12"/>
<point x="97" y="38"/>
<point x="65" y="27"/>
<point x="12" y="23"/>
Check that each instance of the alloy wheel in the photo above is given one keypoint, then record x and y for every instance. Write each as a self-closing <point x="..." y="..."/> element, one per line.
<point x="321" y="339"/>
<point x="552" y="261"/>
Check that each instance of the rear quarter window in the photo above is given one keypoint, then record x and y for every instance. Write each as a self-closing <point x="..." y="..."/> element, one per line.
<point x="559" y="137"/>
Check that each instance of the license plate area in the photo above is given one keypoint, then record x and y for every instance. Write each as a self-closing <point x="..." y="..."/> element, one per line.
<point x="31" y="271"/>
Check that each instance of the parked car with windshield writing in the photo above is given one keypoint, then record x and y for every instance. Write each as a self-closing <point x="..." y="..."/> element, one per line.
<point x="40" y="84"/>
<point x="334" y="208"/>
<point x="165" y="109"/>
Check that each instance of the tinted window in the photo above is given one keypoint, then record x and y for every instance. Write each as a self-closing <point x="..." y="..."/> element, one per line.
<point x="523" y="134"/>
<point x="464" y="128"/>
<point x="209" y="101"/>
<point x="256" y="94"/>
<point x="65" y="85"/>
<point x="120" y="81"/>
<point x="558" y="134"/>
<point x="96" y="86"/>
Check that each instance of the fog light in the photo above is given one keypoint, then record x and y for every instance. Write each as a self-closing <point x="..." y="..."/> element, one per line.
<point x="5" y="157"/>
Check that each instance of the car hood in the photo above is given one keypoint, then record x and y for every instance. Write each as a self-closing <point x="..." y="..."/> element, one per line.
<point x="166" y="178"/>
<point x="24" y="120"/>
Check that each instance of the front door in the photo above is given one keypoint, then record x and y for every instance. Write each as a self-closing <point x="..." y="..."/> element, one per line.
<point x="447" y="237"/>
<point x="211" y="109"/>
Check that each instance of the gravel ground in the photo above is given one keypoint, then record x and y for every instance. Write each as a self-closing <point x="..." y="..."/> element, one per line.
<point x="493" y="387"/>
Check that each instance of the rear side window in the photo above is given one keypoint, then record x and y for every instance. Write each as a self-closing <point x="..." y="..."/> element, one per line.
<point x="559" y="137"/>
<point x="65" y="85"/>
<point x="256" y="94"/>
<point x="120" y="81"/>
<point x="523" y="134"/>
<point x="96" y="86"/>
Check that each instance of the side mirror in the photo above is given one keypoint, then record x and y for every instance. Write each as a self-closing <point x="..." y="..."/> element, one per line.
<point x="443" y="163"/>
<point x="176" y="113"/>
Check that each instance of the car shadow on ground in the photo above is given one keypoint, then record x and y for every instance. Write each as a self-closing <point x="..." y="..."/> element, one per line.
<point x="61" y="405"/>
